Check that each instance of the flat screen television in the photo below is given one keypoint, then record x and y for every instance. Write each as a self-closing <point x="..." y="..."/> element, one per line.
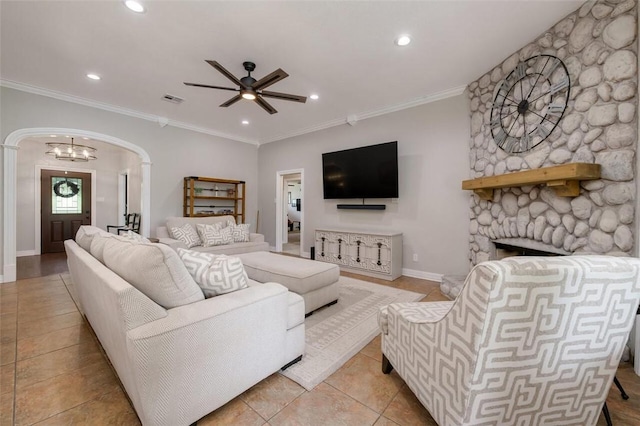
<point x="365" y="172"/>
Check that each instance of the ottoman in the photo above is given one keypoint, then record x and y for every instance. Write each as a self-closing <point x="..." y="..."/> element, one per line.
<point x="316" y="282"/>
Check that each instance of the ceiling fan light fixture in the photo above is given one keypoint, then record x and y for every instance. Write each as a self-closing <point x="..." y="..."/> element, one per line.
<point x="403" y="40"/>
<point x="134" y="6"/>
<point x="248" y="94"/>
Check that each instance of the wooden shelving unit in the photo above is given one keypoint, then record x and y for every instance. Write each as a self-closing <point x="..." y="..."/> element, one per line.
<point x="205" y="196"/>
<point x="564" y="179"/>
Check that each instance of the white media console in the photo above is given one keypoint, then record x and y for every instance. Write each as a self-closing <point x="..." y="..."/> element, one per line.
<point x="376" y="254"/>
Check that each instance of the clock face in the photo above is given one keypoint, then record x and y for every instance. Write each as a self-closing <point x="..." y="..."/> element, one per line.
<point x="529" y="103"/>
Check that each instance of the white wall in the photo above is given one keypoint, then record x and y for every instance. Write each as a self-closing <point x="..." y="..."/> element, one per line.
<point x="431" y="211"/>
<point x="174" y="152"/>
<point x="110" y="161"/>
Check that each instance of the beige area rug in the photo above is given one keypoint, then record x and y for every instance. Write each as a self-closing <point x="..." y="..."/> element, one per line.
<point x="336" y="333"/>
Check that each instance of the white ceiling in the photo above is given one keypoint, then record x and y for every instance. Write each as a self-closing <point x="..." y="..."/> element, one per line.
<point x="341" y="50"/>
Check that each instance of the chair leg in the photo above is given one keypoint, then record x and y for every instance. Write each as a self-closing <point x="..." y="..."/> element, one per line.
<point x="386" y="365"/>
<point x="620" y="388"/>
<point x="607" y="417"/>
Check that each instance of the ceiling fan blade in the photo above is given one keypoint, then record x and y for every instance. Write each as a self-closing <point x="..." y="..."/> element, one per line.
<point x="270" y="79"/>
<point x="284" y="96"/>
<point x="210" y="87"/>
<point x="265" y="105"/>
<point x="231" y="101"/>
<point x="224" y="72"/>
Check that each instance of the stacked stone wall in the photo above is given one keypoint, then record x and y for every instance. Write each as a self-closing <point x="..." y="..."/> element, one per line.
<point x="598" y="44"/>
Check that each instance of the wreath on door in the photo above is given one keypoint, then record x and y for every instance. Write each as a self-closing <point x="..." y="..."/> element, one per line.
<point x="66" y="189"/>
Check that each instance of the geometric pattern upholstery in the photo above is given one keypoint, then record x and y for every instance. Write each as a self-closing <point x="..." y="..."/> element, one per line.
<point x="186" y="234"/>
<point x="215" y="274"/>
<point x="214" y="235"/>
<point x="529" y="341"/>
<point x="240" y="233"/>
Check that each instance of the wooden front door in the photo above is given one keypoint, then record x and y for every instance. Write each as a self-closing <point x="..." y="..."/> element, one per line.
<point x="66" y="204"/>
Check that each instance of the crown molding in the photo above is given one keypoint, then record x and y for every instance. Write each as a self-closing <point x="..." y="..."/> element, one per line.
<point x="182" y="125"/>
<point x="118" y="110"/>
<point x="449" y="93"/>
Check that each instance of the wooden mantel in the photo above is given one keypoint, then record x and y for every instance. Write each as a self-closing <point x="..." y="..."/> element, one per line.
<point x="564" y="179"/>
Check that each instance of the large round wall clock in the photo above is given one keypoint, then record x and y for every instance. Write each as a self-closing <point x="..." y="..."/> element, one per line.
<point x="530" y="103"/>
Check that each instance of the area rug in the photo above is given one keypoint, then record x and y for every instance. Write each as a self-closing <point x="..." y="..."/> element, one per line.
<point x="336" y="333"/>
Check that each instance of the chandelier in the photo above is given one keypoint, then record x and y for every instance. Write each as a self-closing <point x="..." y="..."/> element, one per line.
<point x="70" y="152"/>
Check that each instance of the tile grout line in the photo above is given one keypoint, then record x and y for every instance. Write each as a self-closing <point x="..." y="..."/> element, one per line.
<point x="280" y="410"/>
<point x="350" y="397"/>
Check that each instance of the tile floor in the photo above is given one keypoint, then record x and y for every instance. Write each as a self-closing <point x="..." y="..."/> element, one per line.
<point x="53" y="372"/>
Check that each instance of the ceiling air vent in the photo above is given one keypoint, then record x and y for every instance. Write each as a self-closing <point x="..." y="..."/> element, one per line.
<point x="173" y="99"/>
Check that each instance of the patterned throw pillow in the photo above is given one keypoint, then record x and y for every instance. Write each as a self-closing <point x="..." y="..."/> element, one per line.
<point x="214" y="235"/>
<point x="215" y="273"/>
<point x="187" y="235"/>
<point x="130" y="235"/>
<point x="240" y="233"/>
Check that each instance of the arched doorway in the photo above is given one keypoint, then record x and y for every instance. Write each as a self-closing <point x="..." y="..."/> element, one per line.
<point x="9" y="191"/>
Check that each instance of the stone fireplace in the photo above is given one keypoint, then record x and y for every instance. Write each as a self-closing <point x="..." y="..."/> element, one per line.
<point x="597" y="43"/>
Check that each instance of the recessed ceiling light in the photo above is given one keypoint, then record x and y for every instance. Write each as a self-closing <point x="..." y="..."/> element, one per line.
<point x="314" y="97"/>
<point x="245" y="122"/>
<point x="53" y="136"/>
<point x="86" y="139"/>
<point x="93" y="76"/>
<point x="134" y="5"/>
<point x="403" y="40"/>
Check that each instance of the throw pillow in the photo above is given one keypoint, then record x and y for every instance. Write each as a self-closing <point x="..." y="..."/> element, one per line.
<point x="215" y="274"/>
<point x="240" y="233"/>
<point x="214" y="235"/>
<point x="187" y="235"/>
<point x="134" y="236"/>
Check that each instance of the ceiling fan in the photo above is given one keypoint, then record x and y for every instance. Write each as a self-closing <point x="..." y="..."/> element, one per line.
<point x="252" y="89"/>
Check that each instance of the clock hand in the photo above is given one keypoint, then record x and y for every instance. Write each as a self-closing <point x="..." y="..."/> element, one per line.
<point x="538" y="78"/>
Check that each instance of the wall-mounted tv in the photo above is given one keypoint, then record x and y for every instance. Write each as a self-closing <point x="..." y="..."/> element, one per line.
<point x="365" y="172"/>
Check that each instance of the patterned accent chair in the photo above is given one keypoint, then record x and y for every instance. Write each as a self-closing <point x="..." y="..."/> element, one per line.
<point x="529" y="341"/>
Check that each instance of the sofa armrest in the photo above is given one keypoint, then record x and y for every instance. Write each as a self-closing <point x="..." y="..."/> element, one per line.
<point x="162" y="232"/>
<point x="212" y="350"/>
<point x="256" y="238"/>
<point x="174" y="244"/>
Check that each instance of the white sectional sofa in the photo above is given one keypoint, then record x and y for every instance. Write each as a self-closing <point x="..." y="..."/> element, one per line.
<point x="256" y="241"/>
<point x="179" y="355"/>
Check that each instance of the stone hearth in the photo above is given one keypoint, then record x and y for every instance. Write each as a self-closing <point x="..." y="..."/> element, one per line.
<point x="597" y="44"/>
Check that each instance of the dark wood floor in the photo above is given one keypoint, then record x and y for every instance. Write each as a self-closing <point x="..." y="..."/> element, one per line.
<point x="41" y="266"/>
<point x="623" y="412"/>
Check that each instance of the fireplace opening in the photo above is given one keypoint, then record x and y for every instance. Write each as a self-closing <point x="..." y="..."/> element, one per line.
<point x="506" y="250"/>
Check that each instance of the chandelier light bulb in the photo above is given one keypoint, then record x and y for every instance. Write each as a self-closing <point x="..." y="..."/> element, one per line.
<point x="57" y="151"/>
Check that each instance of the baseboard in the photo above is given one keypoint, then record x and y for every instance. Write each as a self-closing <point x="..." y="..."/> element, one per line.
<point x="431" y="276"/>
<point x="305" y="254"/>
<point x="1" y="279"/>
<point x="23" y="253"/>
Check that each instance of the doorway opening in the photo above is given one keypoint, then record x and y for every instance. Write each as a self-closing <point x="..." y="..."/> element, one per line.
<point x="290" y="212"/>
<point x="66" y="200"/>
<point x="123" y="196"/>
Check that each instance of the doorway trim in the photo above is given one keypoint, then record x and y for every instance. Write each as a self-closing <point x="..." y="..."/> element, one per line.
<point x="280" y="215"/>
<point x="123" y="192"/>
<point x="38" y="200"/>
<point x="10" y="154"/>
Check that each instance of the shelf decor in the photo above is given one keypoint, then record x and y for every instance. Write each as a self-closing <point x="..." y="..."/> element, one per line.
<point x="204" y="196"/>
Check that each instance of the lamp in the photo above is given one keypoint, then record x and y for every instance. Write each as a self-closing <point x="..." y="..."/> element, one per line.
<point x="70" y="151"/>
<point x="248" y="94"/>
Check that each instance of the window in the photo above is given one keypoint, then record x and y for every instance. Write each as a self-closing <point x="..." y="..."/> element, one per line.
<point x="66" y="195"/>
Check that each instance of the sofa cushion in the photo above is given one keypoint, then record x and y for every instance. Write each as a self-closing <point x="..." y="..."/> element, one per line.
<point x="214" y="234"/>
<point x="134" y="236"/>
<point x="234" y="249"/>
<point x="85" y="235"/>
<point x="97" y="245"/>
<point x="215" y="274"/>
<point x="154" y="269"/>
<point x="187" y="234"/>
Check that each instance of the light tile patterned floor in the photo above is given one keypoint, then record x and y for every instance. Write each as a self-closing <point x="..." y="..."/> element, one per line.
<point x="53" y="372"/>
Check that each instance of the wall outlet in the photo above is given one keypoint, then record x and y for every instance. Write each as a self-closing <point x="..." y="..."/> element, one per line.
<point x="415" y="257"/>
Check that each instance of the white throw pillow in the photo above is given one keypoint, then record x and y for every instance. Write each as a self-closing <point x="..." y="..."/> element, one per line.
<point x="187" y="235"/>
<point x="215" y="273"/>
<point x="214" y="235"/>
<point x="240" y="233"/>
